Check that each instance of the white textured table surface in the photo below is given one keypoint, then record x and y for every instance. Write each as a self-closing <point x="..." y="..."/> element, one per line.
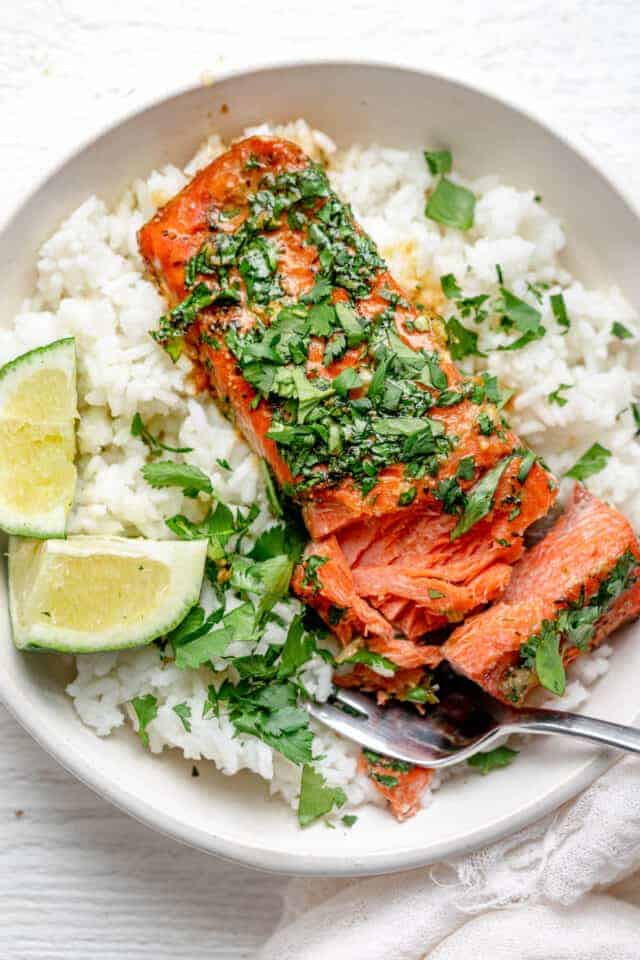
<point x="79" y="879"/>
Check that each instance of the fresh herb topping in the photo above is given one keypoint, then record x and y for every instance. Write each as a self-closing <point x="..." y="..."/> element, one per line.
<point x="349" y="820"/>
<point x="138" y="429"/>
<point x="177" y="321"/>
<point x="593" y="461"/>
<point x="621" y="332"/>
<point x="183" y="710"/>
<point x="450" y="287"/>
<point x="451" y="205"/>
<point x="374" y="660"/>
<point x="461" y="341"/>
<point x="166" y="473"/>
<point x="316" y="798"/>
<point x="438" y="161"/>
<point x="146" y="709"/>
<point x="517" y="314"/>
<point x="559" y="310"/>
<point x="492" y="759"/>
<point x="479" y="501"/>
<point x="556" y="395"/>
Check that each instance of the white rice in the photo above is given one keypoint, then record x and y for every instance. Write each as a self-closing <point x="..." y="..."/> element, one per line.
<point x="90" y="284"/>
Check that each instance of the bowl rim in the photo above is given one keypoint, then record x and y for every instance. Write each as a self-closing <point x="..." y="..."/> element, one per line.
<point x="265" y="858"/>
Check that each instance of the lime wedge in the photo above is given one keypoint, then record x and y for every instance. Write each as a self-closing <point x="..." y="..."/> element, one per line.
<point x="37" y="440"/>
<point x="87" y="594"/>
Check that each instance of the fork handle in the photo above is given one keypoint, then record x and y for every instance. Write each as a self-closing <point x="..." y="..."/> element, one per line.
<point x="575" y="725"/>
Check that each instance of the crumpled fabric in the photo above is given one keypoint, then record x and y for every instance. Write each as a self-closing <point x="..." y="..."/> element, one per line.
<point x="561" y="889"/>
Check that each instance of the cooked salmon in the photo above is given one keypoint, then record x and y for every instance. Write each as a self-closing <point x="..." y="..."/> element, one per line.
<point x="277" y="293"/>
<point x="401" y="784"/>
<point x="565" y="596"/>
<point x="415" y="492"/>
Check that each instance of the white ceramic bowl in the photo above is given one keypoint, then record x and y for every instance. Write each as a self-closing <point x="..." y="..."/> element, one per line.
<point x="233" y="817"/>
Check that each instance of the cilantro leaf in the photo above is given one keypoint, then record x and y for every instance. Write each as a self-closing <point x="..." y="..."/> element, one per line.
<point x="591" y="462"/>
<point x="298" y="649"/>
<point x="348" y="319"/>
<point x="451" y="205"/>
<point x="450" y="287"/>
<point x="271" y="490"/>
<point x="349" y="820"/>
<point x="526" y="464"/>
<point x="146" y="709"/>
<point x="316" y="799"/>
<point x="166" y="473"/>
<point x="549" y="666"/>
<point x="138" y="429"/>
<point x="492" y="759"/>
<point x="183" y="710"/>
<point x="462" y="342"/>
<point x="438" y="161"/>
<point x="480" y="499"/>
<point x="238" y="624"/>
<point x="374" y="660"/>
<point x="322" y="319"/>
<point x="559" y="310"/>
<point x="556" y="395"/>
<point x="521" y="315"/>
<point x="621" y="332"/>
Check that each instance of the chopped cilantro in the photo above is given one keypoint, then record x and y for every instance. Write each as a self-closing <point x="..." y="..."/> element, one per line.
<point x="316" y="798"/>
<point x="492" y="759"/>
<point x="384" y="779"/>
<point x="407" y="496"/>
<point x="438" y="161"/>
<point x="166" y="473"/>
<point x="556" y="395"/>
<point x="516" y="313"/>
<point x="374" y="660"/>
<point x="559" y="310"/>
<point x="621" y="332"/>
<point x="480" y="499"/>
<point x="591" y="462"/>
<point x="349" y="820"/>
<point x="138" y="429"/>
<point x="311" y="565"/>
<point x="462" y="342"/>
<point x="183" y="710"/>
<point x="146" y="709"/>
<point x="450" y="287"/>
<point x="451" y="205"/>
<point x="486" y="426"/>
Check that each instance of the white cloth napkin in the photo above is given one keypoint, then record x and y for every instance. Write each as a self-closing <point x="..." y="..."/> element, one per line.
<point x="537" y="895"/>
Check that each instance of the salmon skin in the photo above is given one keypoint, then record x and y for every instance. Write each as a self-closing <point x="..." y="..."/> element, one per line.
<point x="565" y="596"/>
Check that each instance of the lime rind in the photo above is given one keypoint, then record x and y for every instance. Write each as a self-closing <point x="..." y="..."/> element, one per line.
<point x="15" y="517"/>
<point x="32" y="575"/>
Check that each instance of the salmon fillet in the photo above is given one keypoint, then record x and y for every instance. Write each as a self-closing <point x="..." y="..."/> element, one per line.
<point x="277" y="292"/>
<point x="414" y="490"/>
<point x="565" y="596"/>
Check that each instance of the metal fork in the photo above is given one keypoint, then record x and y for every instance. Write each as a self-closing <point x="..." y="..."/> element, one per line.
<point x="465" y="722"/>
